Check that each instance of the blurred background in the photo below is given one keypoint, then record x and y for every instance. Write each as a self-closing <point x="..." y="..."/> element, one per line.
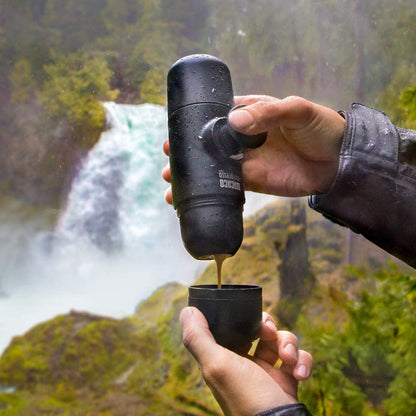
<point x="85" y="233"/>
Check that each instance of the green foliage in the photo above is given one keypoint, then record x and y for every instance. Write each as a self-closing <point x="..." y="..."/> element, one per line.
<point x="59" y="59"/>
<point x="408" y="101"/>
<point x="138" y="36"/>
<point x="393" y="316"/>
<point x="10" y="404"/>
<point x="69" y="55"/>
<point x="368" y="363"/>
<point x="335" y="51"/>
<point x="74" y="350"/>
<point x="359" y="328"/>
<point x="22" y="81"/>
<point x="329" y="391"/>
<point x="390" y="102"/>
<point x="76" y="84"/>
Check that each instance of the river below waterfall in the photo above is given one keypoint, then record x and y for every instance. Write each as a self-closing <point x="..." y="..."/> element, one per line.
<point x="115" y="242"/>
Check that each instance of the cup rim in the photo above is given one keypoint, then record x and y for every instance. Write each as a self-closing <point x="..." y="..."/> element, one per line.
<point x="236" y="287"/>
<point x="227" y="292"/>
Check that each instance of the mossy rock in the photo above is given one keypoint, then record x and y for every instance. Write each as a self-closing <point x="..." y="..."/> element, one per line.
<point x="78" y="349"/>
<point x="153" y="309"/>
<point x="81" y="364"/>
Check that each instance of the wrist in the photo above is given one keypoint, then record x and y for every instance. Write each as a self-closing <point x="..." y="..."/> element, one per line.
<point x="331" y="169"/>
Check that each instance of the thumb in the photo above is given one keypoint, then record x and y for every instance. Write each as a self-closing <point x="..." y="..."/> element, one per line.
<point x="266" y="115"/>
<point x="196" y="335"/>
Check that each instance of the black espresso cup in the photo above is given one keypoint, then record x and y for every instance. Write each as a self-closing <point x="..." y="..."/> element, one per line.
<point x="233" y="312"/>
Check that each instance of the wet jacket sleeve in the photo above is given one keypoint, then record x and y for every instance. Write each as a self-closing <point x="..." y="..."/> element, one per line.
<point x="374" y="193"/>
<point x="297" y="409"/>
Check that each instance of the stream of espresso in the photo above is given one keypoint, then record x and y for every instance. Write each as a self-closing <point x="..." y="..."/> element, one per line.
<point x="219" y="259"/>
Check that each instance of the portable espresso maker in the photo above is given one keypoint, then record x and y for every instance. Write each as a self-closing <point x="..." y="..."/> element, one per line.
<point x="207" y="187"/>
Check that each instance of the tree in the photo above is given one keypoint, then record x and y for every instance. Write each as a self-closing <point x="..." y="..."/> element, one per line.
<point x="393" y="317"/>
<point x="73" y="92"/>
<point x="365" y="361"/>
<point x="389" y="99"/>
<point x="408" y="103"/>
<point x="22" y="80"/>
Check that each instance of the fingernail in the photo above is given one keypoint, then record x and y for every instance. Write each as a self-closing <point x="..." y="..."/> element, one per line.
<point x="271" y="325"/>
<point x="185" y="315"/>
<point x="302" y="371"/>
<point x="291" y="350"/>
<point x="240" y="119"/>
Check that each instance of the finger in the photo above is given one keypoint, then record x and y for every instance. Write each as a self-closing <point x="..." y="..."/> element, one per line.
<point x="267" y="346"/>
<point x="304" y="365"/>
<point x="166" y="174"/>
<point x="287" y="344"/>
<point x="168" y="196"/>
<point x="284" y="379"/>
<point x="283" y="346"/>
<point x="266" y="115"/>
<point x="302" y="369"/>
<point x="166" y="147"/>
<point x="237" y="383"/>
<point x="196" y="336"/>
<point x="268" y="330"/>
<point x="251" y="99"/>
<point x="266" y="352"/>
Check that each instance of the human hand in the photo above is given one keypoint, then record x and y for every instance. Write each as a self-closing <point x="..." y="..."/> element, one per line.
<point x="166" y="174"/>
<point x="300" y="156"/>
<point x="301" y="153"/>
<point x="247" y="385"/>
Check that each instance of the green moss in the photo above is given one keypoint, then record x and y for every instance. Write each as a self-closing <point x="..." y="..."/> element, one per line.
<point x="81" y="364"/>
<point x="10" y="403"/>
<point x="76" y="84"/>
<point x="151" y="310"/>
<point x="75" y="349"/>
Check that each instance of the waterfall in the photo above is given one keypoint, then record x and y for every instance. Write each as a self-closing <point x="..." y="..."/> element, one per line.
<point x="116" y="241"/>
<point x="117" y="198"/>
<point x="116" y="211"/>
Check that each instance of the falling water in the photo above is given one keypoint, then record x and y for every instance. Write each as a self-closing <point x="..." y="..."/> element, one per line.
<point x="115" y="242"/>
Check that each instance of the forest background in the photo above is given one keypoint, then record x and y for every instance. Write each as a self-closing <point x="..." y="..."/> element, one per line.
<point x="60" y="59"/>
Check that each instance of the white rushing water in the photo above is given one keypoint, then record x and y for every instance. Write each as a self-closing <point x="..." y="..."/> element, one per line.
<point x="116" y="241"/>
